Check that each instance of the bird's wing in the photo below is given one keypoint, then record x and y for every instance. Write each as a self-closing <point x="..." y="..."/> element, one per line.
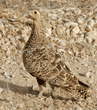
<point x="49" y="65"/>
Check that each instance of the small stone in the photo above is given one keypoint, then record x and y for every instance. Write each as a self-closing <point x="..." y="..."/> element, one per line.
<point x="75" y="30"/>
<point x="71" y="24"/>
<point x="35" y="85"/>
<point x="92" y="80"/>
<point x="92" y="35"/>
<point x="70" y="52"/>
<point x="88" y="74"/>
<point x="4" y="73"/>
<point x="1" y="90"/>
<point x="67" y="25"/>
<point x="15" y="6"/>
<point x="48" y="30"/>
<point x="88" y="28"/>
<point x="80" y="21"/>
<point x="91" y="23"/>
<point x="95" y="17"/>
<point x="79" y="12"/>
<point x="0" y="35"/>
<point x="20" y="105"/>
<point x="6" y="40"/>
<point x="59" y="30"/>
<point x="9" y="36"/>
<point x="8" y="52"/>
<point x="53" y="16"/>
<point x="82" y="28"/>
<point x="68" y="32"/>
<point x="2" y="41"/>
<point x="2" y="67"/>
<point x="79" y="40"/>
<point x="1" y="25"/>
<point x="90" y="13"/>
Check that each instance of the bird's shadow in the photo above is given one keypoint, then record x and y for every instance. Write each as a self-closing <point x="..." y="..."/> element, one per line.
<point x="23" y="90"/>
<point x="16" y="88"/>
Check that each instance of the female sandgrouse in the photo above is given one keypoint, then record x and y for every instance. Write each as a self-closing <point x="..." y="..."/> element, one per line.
<point x="44" y="62"/>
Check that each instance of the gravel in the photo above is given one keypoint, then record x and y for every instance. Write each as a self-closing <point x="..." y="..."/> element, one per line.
<point x="73" y="29"/>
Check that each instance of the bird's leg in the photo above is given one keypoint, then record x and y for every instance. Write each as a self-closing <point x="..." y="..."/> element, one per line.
<point x="44" y="88"/>
<point x="41" y="84"/>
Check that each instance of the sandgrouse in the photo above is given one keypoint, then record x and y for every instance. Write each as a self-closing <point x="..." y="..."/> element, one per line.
<point x="44" y="62"/>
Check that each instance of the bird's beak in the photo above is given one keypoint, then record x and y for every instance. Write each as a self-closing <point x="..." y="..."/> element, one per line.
<point x="30" y="15"/>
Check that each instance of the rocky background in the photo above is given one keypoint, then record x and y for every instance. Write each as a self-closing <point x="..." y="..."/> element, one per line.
<point x="72" y="24"/>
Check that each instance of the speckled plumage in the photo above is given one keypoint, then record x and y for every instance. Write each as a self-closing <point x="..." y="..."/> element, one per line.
<point x="42" y="60"/>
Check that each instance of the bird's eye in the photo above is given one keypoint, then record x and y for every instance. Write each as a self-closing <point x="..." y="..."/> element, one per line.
<point x="35" y="12"/>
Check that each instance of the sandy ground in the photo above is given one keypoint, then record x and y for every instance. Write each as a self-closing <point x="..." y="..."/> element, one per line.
<point x="70" y="24"/>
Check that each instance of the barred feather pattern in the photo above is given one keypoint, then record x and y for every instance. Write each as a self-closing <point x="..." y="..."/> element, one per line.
<point x="42" y="60"/>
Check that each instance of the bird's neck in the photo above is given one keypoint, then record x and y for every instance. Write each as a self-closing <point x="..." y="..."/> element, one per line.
<point x="37" y="37"/>
<point x="35" y="33"/>
<point x="36" y="25"/>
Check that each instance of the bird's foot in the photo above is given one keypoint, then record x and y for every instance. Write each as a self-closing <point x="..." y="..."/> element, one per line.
<point x="45" y="90"/>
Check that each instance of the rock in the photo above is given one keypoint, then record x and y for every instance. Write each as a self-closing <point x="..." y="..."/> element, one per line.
<point x="87" y="74"/>
<point x="48" y="32"/>
<point x="2" y="27"/>
<point x="53" y="16"/>
<point x="79" y="40"/>
<point x="71" y="24"/>
<point x="75" y="30"/>
<point x="80" y="21"/>
<point x="82" y="28"/>
<point x="4" y="73"/>
<point x="35" y="85"/>
<point x="8" y="52"/>
<point x="60" y="29"/>
<point x="91" y="35"/>
<point x="91" y="23"/>
<point x="16" y="6"/>
<point x="88" y="28"/>
<point x="20" y="106"/>
<point x="68" y="32"/>
<point x="1" y="90"/>
<point x="84" y="44"/>
<point x="2" y="41"/>
<point x="0" y="35"/>
<point x="95" y="17"/>
<point x="6" y="40"/>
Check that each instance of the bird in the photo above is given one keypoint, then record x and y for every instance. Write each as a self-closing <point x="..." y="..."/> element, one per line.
<point x="42" y="60"/>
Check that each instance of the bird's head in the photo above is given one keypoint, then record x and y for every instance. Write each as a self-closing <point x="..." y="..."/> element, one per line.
<point x="34" y="15"/>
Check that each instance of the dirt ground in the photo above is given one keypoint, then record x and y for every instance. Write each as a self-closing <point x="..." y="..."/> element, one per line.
<point x="72" y="25"/>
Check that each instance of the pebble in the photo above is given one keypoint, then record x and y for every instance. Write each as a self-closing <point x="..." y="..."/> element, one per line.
<point x="80" y="21"/>
<point x="1" y="25"/>
<point x="53" y="16"/>
<point x="68" y="32"/>
<point x="0" y="35"/>
<point x="75" y="30"/>
<point x="81" y="31"/>
<point x="88" y="28"/>
<point x="1" y="90"/>
<point x="88" y="74"/>
<point x="91" y="23"/>
<point x="8" y="52"/>
<point x="48" y="32"/>
<point x="91" y="35"/>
